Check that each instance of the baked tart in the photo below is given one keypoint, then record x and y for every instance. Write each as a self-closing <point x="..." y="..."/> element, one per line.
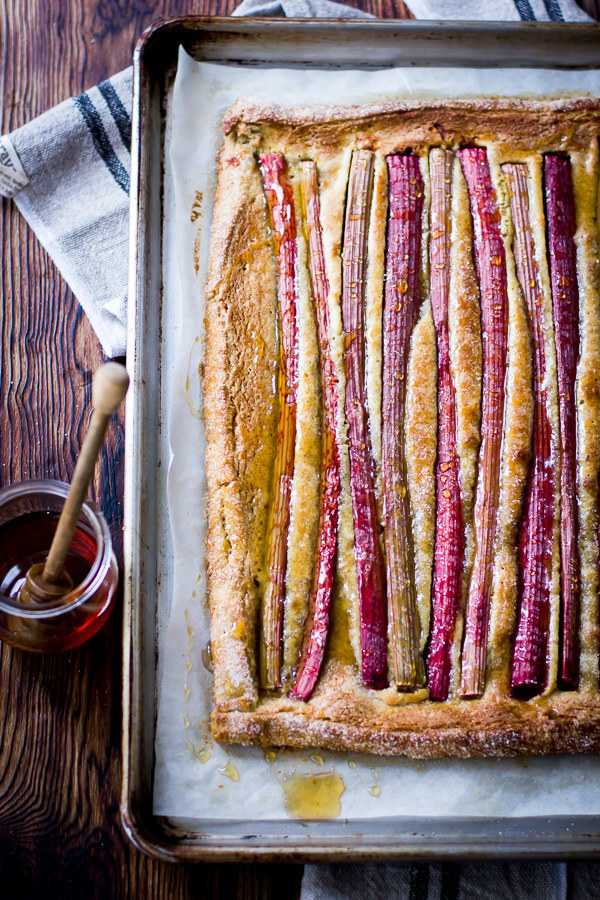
<point x="402" y="394"/>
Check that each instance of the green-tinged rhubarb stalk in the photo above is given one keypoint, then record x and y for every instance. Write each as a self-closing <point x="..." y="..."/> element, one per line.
<point x="369" y="561"/>
<point x="447" y="558"/>
<point x="529" y="663"/>
<point x="490" y="260"/>
<point x="560" y="220"/>
<point x="280" y="199"/>
<point x="401" y="309"/>
<point x="319" y="614"/>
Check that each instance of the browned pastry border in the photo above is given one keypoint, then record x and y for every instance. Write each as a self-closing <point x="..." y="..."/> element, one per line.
<point x="241" y="363"/>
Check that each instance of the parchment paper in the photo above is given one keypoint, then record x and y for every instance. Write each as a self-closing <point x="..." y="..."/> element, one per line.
<point x="195" y="778"/>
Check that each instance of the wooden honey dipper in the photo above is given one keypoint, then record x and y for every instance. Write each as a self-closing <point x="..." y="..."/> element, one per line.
<point x="48" y="581"/>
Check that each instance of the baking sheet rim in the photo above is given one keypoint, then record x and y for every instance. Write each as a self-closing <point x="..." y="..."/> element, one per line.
<point x="164" y="841"/>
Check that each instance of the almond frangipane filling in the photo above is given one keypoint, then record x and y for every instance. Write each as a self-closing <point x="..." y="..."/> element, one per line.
<point x="411" y="571"/>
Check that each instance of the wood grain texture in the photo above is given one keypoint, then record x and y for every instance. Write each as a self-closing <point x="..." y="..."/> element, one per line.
<point x="60" y="829"/>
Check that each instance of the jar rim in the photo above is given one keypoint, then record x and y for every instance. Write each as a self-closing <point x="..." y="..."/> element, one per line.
<point x="92" y="520"/>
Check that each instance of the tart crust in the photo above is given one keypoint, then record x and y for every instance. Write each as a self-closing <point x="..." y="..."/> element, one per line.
<point x="240" y="378"/>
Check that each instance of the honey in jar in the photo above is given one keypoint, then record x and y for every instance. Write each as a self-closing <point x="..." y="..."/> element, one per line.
<point x="29" y="513"/>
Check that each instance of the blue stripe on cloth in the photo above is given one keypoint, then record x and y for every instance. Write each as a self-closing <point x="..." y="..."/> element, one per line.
<point x="101" y="141"/>
<point x="525" y="11"/>
<point x="450" y="881"/>
<point x="419" y="882"/>
<point x="117" y="111"/>
<point x="554" y="10"/>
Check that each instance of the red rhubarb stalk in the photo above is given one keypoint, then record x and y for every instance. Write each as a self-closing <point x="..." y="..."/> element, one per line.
<point x="560" y="220"/>
<point x="317" y="624"/>
<point x="490" y="260"/>
<point x="279" y="195"/>
<point x="529" y="664"/>
<point x="369" y="562"/>
<point x="401" y="309"/>
<point x="447" y="558"/>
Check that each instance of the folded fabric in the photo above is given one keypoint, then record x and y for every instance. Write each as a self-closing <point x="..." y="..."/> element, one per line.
<point x="499" y="10"/>
<point x="465" y="10"/>
<point x="300" y="9"/>
<point x="442" y="881"/>
<point x="76" y="158"/>
<point x="453" y="881"/>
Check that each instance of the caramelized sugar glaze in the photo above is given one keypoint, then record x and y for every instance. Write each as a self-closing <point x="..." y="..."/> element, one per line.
<point x="427" y="292"/>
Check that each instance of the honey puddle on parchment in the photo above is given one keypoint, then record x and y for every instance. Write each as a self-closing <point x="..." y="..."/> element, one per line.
<point x="313" y="796"/>
<point x="200" y="751"/>
<point x="374" y="790"/>
<point x="230" y="771"/>
<point x="309" y="795"/>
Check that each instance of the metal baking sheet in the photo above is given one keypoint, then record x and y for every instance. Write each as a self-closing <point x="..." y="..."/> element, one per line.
<point x="148" y="556"/>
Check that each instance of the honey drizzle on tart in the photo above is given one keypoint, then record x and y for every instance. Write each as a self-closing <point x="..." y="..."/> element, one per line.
<point x="342" y="712"/>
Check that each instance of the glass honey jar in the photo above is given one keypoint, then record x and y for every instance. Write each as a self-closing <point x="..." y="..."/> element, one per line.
<point x="29" y="512"/>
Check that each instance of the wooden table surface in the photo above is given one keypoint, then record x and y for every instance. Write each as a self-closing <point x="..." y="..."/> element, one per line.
<point x="60" y="765"/>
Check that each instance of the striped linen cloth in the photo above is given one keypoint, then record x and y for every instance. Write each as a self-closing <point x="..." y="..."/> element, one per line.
<point x="453" y="881"/>
<point x="499" y="10"/>
<point x="465" y="10"/>
<point x="77" y="158"/>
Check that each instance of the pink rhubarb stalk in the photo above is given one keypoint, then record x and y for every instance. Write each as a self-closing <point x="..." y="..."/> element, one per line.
<point x="401" y="309"/>
<point x="279" y="195"/>
<point x="447" y="560"/>
<point x="490" y="260"/>
<point x="317" y="625"/>
<point x="529" y="664"/>
<point x="369" y="562"/>
<point x="560" y="219"/>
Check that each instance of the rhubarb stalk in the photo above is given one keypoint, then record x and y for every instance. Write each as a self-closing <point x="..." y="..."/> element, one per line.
<point x="317" y="624"/>
<point x="369" y="562"/>
<point x="279" y="195"/>
<point x="560" y="219"/>
<point x="529" y="664"/>
<point x="490" y="260"/>
<point x="447" y="558"/>
<point x="400" y="312"/>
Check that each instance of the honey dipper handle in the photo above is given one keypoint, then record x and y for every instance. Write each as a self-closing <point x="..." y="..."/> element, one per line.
<point x="108" y="390"/>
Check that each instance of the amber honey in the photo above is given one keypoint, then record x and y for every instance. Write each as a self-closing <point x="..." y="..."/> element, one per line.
<point x="25" y="542"/>
<point x="313" y="796"/>
<point x="29" y="513"/>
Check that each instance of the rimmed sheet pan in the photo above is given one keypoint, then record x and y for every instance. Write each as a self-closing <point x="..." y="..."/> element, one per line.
<point x="153" y="341"/>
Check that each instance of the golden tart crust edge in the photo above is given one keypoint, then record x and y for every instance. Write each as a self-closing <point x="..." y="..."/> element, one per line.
<point x="240" y="371"/>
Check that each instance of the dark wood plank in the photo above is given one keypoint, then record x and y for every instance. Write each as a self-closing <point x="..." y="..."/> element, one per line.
<point x="60" y="830"/>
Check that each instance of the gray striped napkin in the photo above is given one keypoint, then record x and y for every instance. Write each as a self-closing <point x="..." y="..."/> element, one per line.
<point x="68" y="171"/>
<point x="453" y="881"/>
<point x="499" y="10"/>
<point x="465" y="10"/>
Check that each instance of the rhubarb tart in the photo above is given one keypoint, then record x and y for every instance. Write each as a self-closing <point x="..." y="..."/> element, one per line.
<point x="402" y="395"/>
